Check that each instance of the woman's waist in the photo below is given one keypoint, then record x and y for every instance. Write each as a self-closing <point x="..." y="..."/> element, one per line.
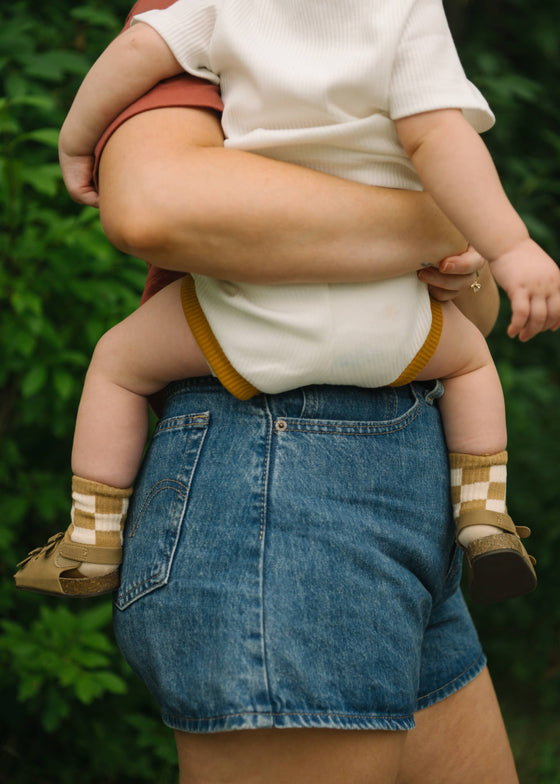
<point x="318" y="403"/>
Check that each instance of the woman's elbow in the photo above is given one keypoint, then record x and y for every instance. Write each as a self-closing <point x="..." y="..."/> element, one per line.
<point x="131" y="225"/>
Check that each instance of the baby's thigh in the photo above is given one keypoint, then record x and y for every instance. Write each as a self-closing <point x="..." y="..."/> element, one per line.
<point x="462" y="348"/>
<point x="152" y="347"/>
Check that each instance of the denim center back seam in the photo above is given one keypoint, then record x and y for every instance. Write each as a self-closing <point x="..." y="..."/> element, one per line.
<point x="262" y="540"/>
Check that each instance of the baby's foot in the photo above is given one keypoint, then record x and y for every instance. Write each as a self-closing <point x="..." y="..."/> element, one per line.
<point x="55" y="569"/>
<point x="498" y="565"/>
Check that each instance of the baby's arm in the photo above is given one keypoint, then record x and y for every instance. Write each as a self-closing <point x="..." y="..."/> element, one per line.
<point x="130" y="66"/>
<point x="456" y="168"/>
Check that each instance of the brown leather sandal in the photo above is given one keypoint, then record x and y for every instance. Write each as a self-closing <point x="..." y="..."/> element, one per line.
<point x="52" y="569"/>
<point x="498" y="566"/>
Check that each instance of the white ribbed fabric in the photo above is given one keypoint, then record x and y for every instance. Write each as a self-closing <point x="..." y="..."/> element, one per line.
<point x="319" y="83"/>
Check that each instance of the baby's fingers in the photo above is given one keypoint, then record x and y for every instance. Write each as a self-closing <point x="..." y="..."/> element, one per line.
<point x="87" y="196"/>
<point x="520" y="312"/>
<point x="553" y="321"/>
<point x="538" y="317"/>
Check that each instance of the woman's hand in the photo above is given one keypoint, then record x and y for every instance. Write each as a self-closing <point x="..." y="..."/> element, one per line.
<point x="453" y="275"/>
<point x="453" y="280"/>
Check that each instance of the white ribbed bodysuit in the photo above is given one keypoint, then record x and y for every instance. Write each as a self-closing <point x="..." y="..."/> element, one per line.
<point x="319" y="83"/>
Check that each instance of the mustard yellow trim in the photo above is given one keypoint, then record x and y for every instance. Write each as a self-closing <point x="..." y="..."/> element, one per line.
<point x="213" y="352"/>
<point x="426" y="352"/>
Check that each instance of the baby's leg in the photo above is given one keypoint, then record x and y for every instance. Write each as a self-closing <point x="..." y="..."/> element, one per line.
<point x="136" y="358"/>
<point x="472" y="407"/>
<point x="473" y="414"/>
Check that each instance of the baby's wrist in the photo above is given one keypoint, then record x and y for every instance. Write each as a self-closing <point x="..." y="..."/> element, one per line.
<point x="512" y="248"/>
<point x="73" y="142"/>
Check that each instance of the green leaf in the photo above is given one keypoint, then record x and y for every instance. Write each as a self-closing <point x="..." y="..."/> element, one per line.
<point x="34" y="381"/>
<point x="24" y="301"/>
<point x="46" y="136"/>
<point x="95" y="16"/>
<point x="98" y="617"/>
<point x="36" y="101"/>
<point x="112" y="683"/>
<point x="64" y="383"/>
<point x="53" y="65"/>
<point x="87" y="689"/>
<point x="22" y="342"/>
<point x="43" y="179"/>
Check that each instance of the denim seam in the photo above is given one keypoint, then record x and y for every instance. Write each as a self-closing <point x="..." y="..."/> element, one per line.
<point x="454" y="565"/>
<point x="266" y="467"/>
<point x="350" y="430"/>
<point x="179" y="422"/>
<point x="164" y="484"/>
<point x="191" y="474"/>
<point x="136" y="590"/>
<point x="453" y="680"/>
<point x="295" y="713"/>
<point x="358" y="428"/>
<point x="310" y="403"/>
<point x="264" y="497"/>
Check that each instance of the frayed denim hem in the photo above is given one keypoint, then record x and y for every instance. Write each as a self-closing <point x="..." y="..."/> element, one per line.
<point x="263" y="720"/>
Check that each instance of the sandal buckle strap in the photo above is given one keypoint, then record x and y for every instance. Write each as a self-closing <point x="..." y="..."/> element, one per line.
<point x="44" y="550"/>
<point x="488" y="517"/>
<point x="85" y="553"/>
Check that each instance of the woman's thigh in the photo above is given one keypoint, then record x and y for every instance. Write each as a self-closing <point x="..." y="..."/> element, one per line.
<point x="461" y="739"/>
<point x="290" y="756"/>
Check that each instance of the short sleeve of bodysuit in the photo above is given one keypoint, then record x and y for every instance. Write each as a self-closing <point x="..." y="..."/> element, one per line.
<point x="427" y="73"/>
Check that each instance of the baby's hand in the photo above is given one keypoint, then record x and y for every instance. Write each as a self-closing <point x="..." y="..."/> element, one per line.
<point x="77" y="172"/>
<point x="531" y="279"/>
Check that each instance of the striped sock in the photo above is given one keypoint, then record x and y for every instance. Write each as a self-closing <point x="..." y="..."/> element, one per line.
<point x="477" y="482"/>
<point x="98" y="516"/>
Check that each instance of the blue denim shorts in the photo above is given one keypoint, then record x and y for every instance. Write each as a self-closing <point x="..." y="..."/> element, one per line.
<point x="290" y="561"/>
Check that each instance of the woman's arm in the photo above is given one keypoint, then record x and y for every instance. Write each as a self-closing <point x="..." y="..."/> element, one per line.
<point x="231" y="214"/>
<point x="173" y="196"/>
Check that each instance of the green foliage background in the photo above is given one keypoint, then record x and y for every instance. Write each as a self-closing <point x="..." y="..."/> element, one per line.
<point x="70" y="708"/>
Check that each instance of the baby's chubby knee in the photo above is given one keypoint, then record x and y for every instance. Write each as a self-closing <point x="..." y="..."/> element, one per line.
<point x="113" y="353"/>
<point x="462" y="347"/>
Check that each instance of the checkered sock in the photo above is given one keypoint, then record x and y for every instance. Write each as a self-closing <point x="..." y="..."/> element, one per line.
<point x="477" y="482"/>
<point x="98" y="515"/>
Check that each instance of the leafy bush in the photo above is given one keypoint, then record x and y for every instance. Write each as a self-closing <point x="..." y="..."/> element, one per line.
<point x="512" y="52"/>
<point x="61" y="286"/>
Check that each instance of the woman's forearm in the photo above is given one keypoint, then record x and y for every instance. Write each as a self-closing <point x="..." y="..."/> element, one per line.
<point x="171" y="195"/>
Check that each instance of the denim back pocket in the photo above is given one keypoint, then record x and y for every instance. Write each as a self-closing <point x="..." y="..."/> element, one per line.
<point x="159" y="504"/>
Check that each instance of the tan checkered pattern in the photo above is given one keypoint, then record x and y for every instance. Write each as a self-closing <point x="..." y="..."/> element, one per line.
<point x="98" y="513"/>
<point x="478" y="482"/>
